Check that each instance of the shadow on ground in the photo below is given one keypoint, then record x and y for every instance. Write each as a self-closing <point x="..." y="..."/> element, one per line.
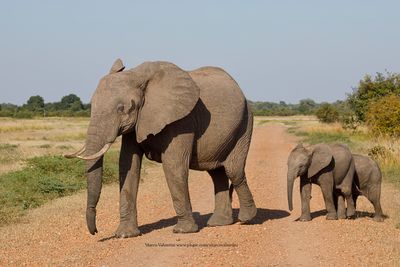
<point x="201" y="219"/>
<point x="359" y="214"/>
<point x="363" y="214"/>
<point x="315" y="214"/>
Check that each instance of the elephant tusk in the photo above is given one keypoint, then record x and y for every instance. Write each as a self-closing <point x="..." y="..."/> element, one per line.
<point x="77" y="153"/>
<point x="96" y="155"/>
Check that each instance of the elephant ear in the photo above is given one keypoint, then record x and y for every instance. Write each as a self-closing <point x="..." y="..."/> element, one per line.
<point x="170" y="94"/>
<point x="117" y="66"/>
<point x="321" y="156"/>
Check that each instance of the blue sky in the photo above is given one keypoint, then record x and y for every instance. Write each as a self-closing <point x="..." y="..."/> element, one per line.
<point x="276" y="50"/>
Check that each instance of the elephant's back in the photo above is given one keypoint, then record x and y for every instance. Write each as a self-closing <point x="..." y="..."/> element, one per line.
<point x="218" y="89"/>
<point x="367" y="170"/>
<point x="224" y="102"/>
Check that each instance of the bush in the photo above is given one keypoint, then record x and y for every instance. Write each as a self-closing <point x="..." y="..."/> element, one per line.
<point x="383" y="116"/>
<point x="371" y="89"/>
<point x="327" y="113"/>
<point x="24" y="114"/>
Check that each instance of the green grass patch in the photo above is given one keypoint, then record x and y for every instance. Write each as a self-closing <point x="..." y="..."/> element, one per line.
<point x="9" y="153"/>
<point x="64" y="146"/>
<point x="355" y="140"/>
<point x="7" y="147"/>
<point x="285" y="122"/>
<point x="324" y="137"/>
<point x="45" y="146"/>
<point x="391" y="173"/>
<point x="45" y="178"/>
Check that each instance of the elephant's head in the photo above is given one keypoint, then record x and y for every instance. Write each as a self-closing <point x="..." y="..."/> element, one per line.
<point x="306" y="162"/>
<point x="144" y="99"/>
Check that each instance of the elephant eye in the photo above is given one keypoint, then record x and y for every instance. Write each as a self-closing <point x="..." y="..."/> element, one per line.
<point x="120" y="108"/>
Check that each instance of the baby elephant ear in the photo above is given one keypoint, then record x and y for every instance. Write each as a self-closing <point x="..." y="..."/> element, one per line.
<point x="117" y="66"/>
<point x="321" y="157"/>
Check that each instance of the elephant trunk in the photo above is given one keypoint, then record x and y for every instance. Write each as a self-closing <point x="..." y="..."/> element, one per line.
<point x="290" y="183"/>
<point x="94" y="170"/>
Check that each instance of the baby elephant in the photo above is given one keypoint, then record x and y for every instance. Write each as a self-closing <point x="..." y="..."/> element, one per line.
<point x="367" y="182"/>
<point x="329" y="166"/>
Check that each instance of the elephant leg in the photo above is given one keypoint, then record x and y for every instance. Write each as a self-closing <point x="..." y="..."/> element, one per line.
<point x="305" y="193"/>
<point x="326" y="183"/>
<point x="374" y="197"/>
<point x="335" y="200"/>
<point x="346" y="188"/>
<point x="341" y="206"/>
<point x="234" y="168"/>
<point x="223" y="207"/>
<point x="175" y="162"/>
<point x="129" y="176"/>
<point x="378" y="216"/>
<point x="248" y="208"/>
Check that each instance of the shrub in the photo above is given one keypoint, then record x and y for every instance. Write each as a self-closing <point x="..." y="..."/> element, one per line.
<point x="327" y="113"/>
<point x="371" y="89"/>
<point x="23" y="114"/>
<point x="383" y="116"/>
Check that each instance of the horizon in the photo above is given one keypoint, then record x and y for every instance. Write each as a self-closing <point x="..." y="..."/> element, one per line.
<point x="275" y="51"/>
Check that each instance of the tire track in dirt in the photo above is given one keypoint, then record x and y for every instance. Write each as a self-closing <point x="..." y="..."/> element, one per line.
<point x="56" y="234"/>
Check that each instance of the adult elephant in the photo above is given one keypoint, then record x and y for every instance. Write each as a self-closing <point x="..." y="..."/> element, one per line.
<point x="329" y="166"/>
<point x="185" y="120"/>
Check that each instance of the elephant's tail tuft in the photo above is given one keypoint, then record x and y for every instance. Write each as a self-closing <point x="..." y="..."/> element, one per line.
<point x="230" y="192"/>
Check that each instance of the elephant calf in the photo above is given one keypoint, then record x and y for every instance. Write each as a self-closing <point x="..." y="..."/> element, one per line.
<point x="329" y="166"/>
<point x="367" y="182"/>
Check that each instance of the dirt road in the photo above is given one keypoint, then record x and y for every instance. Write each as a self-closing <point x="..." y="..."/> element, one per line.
<point x="56" y="234"/>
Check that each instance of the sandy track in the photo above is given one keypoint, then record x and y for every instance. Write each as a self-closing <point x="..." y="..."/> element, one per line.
<point x="56" y="234"/>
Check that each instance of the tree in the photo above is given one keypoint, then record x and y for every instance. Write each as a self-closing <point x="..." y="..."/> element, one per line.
<point x="76" y="106"/>
<point x="327" y="113"/>
<point x="71" y="101"/>
<point x="383" y="116"/>
<point x="35" y="103"/>
<point x="371" y="89"/>
<point x="307" y="106"/>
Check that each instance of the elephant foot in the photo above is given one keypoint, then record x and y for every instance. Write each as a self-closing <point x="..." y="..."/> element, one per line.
<point x="351" y="213"/>
<point x="219" y="220"/>
<point x="126" y="230"/>
<point x="341" y="216"/>
<point x="305" y="218"/>
<point x="352" y="217"/>
<point x="378" y="218"/>
<point x="247" y="213"/>
<point x="331" y="216"/>
<point x="185" y="226"/>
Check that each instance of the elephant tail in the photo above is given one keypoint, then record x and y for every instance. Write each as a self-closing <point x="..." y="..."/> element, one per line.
<point x="230" y="192"/>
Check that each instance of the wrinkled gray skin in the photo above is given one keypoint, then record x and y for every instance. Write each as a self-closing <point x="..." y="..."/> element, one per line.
<point x="367" y="182"/>
<point x="329" y="166"/>
<point x="185" y="120"/>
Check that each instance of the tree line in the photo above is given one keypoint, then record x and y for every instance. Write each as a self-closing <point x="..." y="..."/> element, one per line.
<point x="69" y="106"/>
<point x="375" y="102"/>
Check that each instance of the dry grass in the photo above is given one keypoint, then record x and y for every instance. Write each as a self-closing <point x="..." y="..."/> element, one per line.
<point x="260" y="120"/>
<point x="21" y="139"/>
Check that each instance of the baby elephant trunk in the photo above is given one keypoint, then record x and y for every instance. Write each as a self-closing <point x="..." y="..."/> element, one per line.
<point x="290" y="183"/>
